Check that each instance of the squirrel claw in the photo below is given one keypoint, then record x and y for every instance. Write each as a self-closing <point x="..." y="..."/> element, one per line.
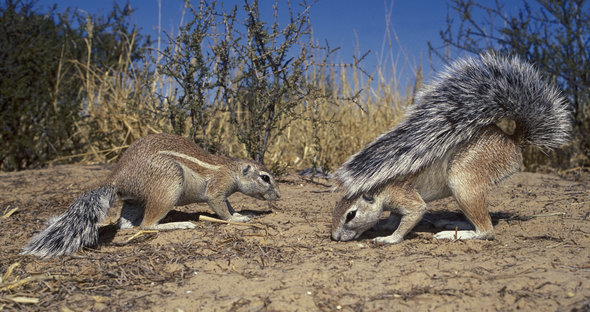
<point x="383" y="240"/>
<point x="236" y="217"/>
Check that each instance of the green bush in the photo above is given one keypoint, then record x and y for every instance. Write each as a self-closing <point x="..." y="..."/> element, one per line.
<point x="42" y="98"/>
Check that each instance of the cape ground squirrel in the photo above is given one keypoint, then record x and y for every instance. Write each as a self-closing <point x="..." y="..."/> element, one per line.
<point x="449" y="145"/>
<point x="155" y="174"/>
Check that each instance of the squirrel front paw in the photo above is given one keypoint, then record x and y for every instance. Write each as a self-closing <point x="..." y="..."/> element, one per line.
<point x="387" y="239"/>
<point x="236" y="217"/>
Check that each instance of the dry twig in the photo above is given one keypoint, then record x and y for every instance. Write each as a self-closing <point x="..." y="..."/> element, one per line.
<point x="205" y="218"/>
<point x="141" y="232"/>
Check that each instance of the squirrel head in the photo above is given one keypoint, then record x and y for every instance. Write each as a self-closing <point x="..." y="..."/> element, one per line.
<point x="353" y="216"/>
<point x="253" y="180"/>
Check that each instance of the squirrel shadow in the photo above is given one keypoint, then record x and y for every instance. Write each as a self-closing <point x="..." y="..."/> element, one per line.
<point x="106" y="234"/>
<point x="436" y="221"/>
<point x="179" y="216"/>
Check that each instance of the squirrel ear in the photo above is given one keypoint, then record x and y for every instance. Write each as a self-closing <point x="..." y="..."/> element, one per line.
<point x="246" y="169"/>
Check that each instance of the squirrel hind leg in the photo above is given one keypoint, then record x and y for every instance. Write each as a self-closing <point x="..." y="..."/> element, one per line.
<point x="156" y="209"/>
<point x="181" y="225"/>
<point x="131" y="215"/>
<point x="157" y="206"/>
<point x="469" y="190"/>
<point x="473" y="204"/>
<point x="461" y="235"/>
<point x="475" y="169"/>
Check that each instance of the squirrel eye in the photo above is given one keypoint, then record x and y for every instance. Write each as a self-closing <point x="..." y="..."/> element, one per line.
<point x="265" y="178"/>
<point x="369" y="198"/>
<point x="350" y="215"/>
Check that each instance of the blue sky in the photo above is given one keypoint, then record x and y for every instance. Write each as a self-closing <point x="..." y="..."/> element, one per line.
<point x="353" y="25"/>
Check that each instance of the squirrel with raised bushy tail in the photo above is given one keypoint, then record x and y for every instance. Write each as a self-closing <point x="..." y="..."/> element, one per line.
<point x="449" y="145"/>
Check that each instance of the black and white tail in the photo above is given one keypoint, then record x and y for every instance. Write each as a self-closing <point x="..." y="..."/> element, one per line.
<point x="468" y="95"/>
<point x="76" y="228"/>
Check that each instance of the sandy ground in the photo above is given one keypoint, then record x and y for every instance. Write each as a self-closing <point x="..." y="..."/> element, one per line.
<point x="284" y="259"/>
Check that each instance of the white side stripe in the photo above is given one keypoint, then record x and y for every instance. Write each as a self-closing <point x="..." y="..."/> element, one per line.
<point x="189" y="158"/>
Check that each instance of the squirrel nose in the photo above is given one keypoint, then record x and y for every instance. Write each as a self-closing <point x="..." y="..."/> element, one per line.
<point x="271" y="195"/>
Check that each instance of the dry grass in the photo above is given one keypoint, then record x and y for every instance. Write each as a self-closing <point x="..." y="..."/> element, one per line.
<point x="121" y="106"/>
<point x="346" y="111"/>
<point x="126" y="102"/>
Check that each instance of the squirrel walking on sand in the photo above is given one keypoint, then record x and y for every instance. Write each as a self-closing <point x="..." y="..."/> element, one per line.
<point x="449" y="145"/>
<point x="155" y="174"/>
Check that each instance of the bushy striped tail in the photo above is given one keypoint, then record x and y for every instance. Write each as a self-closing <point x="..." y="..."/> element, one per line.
<point x="470" y="94"/>
<point x="76" y="228"/>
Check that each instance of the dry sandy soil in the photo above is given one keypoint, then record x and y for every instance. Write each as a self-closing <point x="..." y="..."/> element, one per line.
<point x="285" y="261"/>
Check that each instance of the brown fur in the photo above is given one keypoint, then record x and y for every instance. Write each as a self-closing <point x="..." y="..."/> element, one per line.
<point x="155" y="174"/>
<point x="466" y="174"/>
<point x="474" y="170"/>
